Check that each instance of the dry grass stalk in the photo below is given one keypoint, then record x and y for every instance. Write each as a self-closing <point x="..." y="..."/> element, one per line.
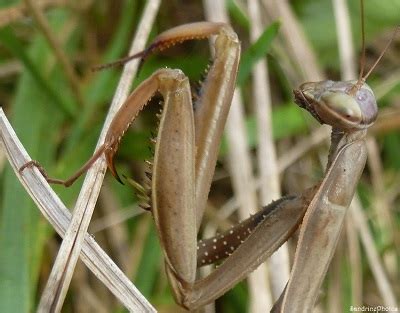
<point x="59" y="217"/>
<point x="374" y="261"/>
<point x="267" y="163"/>
<point x="241" y="172"/>
<point x="60" y="277"/>
<point x="346" y="54"/>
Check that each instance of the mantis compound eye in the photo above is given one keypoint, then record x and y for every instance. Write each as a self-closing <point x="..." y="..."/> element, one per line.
<point x="367" y="102"/>
<point x="343" y="105"/>
<point x="332" y="103"/>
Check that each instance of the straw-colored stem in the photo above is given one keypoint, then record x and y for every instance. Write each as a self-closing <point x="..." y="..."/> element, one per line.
<point x="295" y="40"/>
<point x="59" y="217"/>
<point x="382" y="281"/>
<point x="346" y="53"/>
<point x="60" y="277"/>
<point x="345" y="43"/>
<point x="241" y="171"/>
<point x="266" y="154"/>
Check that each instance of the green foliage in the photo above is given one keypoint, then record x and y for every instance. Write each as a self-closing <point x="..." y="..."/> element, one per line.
<point x="21" y="239"/>
<point x="11" y="42"/>
<point x="237" y="13"/>
<point x="318" y="22"/>
<point x="257" y="51"/>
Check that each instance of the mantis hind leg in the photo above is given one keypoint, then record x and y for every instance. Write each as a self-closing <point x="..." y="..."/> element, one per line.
<point x="260" y="236"/>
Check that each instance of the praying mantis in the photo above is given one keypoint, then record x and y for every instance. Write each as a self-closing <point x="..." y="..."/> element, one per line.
<point x="186" y="152"/>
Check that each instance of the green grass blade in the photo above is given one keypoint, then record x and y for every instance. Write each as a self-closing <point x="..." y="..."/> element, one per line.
<point x="237" y="14"/>
<point x="103" y="86"/>
<point x="35" y="117"/>
<point x="257" y="51"/>
<point x="149" y="265"/>
<point x="11" y="42"/>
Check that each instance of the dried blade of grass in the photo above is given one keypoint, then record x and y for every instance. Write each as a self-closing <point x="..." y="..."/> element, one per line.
<point x="117" y="235"/>
<point x="294" y="38"/>
<point x="334" y="295"/>
<point x="113" y="218"/>
<point x="269" y="177"/>
<point x="388" y="120"/>
<point x="3" y="157"/>
<point x="374" y="261"/>
<point x="383" y="214"/>
<point x="60" y="277"/>
<point x="355" y="260"/>
<point x="139" y="238"/>
<point x="241" y="172"/>
<point x="256" y="52"/>
<point x="346" y="53"/>
<point x="91" y="301"/>
<point x="381" y="206"/>
<point x="10" y="68"/>
<point x="314" y="139"/>
<point x="244" y="188"/>
<point x="60" y="217"/>
<point x="296" y="43"/>
<point x="345" y="44"/>
<point x="266" y="155"/>
<point x="387" y="84"/>
<point x="86" y="298"/>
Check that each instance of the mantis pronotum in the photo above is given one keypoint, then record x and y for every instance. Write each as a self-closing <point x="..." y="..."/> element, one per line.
<point x="184" y="165"/>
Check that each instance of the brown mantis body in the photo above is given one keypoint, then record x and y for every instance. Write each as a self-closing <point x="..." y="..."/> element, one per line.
<point x="185" y="157"/>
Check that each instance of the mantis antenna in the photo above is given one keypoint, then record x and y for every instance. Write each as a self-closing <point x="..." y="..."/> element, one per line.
<point x="362" y="78"/>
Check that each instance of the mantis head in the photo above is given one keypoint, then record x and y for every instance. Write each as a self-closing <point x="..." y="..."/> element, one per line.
<point x="348" y="105"/>
<point x="338" y="104"/>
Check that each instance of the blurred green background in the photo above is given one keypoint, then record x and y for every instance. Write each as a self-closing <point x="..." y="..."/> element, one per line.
<point x="58" y="119"/>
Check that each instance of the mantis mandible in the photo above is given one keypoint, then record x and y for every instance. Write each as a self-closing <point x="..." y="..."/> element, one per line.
<point x="186" y="152"/>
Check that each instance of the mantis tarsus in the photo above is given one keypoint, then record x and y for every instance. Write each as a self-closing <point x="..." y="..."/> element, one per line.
<point x="185" y="156"/>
